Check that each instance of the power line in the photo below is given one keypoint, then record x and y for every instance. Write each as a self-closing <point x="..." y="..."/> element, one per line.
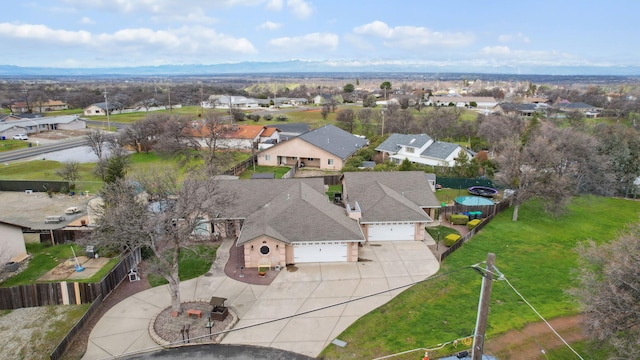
<point x="295" y="315"/>
<point x="502" y="277"/>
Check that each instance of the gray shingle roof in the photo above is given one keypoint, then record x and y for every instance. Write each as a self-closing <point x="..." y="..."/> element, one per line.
<point x="393" y="142"/>
<point x="390" y="196"/>
<point x="439" y="150"/>
<point x="289" y="210"/>
<point x="334" y="140"/>
<point x="577" y="105"/>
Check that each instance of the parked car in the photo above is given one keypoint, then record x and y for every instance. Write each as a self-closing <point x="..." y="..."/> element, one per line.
<point x="20" y="137"/>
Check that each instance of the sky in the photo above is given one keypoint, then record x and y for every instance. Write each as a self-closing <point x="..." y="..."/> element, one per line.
<point x="498" y="33"/>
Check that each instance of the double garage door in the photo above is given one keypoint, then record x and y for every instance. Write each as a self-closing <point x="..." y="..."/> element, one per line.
<point x="391" y="231"/>
<point x="309" y="252"/>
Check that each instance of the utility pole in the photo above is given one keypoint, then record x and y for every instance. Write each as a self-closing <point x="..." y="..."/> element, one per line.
<point x="483" y="309"/>
<point x="106" y="105"/>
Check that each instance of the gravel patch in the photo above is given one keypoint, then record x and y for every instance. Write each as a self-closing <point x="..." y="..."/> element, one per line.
<point x="167" y="329"/>
<point x="25" y="336"/>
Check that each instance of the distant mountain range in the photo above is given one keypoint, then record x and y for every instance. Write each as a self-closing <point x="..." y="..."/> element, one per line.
<point x="299" y="66"/>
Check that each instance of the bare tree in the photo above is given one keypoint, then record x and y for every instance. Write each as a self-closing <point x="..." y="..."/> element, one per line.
<point x="162" y="218"/>
<point x="400" y="121"/>
<point x="495" y="128"/>
<point x="325" y="111"/>
<point x="70" y="172"/>
<point x="365" y="116"/>
<point x="609" y="291"/>
<point x="97" y="142"/>
<point x="533" y="170"/>
<point x="346" y="118"/>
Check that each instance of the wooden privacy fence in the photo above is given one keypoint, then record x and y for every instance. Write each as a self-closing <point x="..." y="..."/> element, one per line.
<point x="58" y="352"/>
<point x="497" y="208"/>
<point x="237" y="169"/>
<point x="68" y="293"/>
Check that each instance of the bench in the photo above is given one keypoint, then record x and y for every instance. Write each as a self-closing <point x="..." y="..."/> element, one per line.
<point x="197" y="313"/>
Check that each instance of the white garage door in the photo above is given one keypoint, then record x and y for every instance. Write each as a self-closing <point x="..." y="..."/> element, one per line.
<point x="308" y="252"/>
<point x="392" y="231"/>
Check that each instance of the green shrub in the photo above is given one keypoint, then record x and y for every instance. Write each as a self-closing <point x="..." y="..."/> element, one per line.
<point x="473" y="223"/>
<point x="458" y="219"/>
<point x="451" y="239"/>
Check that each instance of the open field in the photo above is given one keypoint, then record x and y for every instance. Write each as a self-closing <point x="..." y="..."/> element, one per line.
<point x="535" y="254"/>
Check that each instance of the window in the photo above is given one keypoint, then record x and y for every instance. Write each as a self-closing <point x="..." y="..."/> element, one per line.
<point x="330" y="162"/>
<point x="267" y="157"/>
<point x="264" y="250"/>
<point x="410" y="150"/>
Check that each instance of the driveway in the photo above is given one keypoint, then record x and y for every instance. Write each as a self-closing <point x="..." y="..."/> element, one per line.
<point x="303" y="310"/>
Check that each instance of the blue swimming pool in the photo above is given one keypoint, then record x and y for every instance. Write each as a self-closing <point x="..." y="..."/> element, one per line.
<point x="473" y="200"/>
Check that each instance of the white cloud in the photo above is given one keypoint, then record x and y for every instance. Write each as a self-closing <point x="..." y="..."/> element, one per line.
<point x="189" y="40"/>
<point x="322" y="41"/>
<point x="412" y="37"/>
<point x="275" y="4"/>
<point x="269" y="25"/>
<point x="42" y="32"/>
<point x="87" y="21"/>
<point x="300" y="8"/>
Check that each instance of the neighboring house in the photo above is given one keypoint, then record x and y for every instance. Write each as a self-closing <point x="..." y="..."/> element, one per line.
<point x="226" y="102"/>
<point x="98" y="109"/>
<point x="240" y="137"/>
<point x="279" y="222"/>
<point x="290" y="130"/>
<point x="589" y="111"/>
<point x="524" y="110"/>
<point x="13" y="125"/>
<point x="326" y="148"/>
<point x="12" y="244"/>
<point x="390" y="206"/>
<point x="420" y="149"/>
<point x="268" y="138"/>
<point x="50" y="105"/>
<point x="322" y="99"/>
<point x="482" y="102"/>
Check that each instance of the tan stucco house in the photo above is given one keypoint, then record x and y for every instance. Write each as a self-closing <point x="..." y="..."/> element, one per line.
<point x="390" y="206"/>
<point x="279" y="222"/>
<point x="325" y="148"/>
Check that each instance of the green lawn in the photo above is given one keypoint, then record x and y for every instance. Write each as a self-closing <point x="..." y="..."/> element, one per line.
<point x="8" y="145"/>
<point x="43" y="259"/>
<point x="279" y="171"/>
<point x="194" y="262"/>
<point x="536" y="254"/>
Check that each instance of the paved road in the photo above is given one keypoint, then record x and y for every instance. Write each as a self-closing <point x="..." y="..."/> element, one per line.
<point x="39" y="150"/>
<point x="221" y="352"/>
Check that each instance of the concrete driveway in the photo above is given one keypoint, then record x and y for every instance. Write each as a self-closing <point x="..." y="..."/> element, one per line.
<point x="306" y="298"/>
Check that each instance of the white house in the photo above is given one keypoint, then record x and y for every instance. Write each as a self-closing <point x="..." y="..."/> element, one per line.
<point x="421" y="149"/>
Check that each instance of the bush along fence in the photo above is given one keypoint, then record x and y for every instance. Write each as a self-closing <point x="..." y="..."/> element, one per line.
<point x="68" y="293"/>
<point x="496" y="209"/>
<point x="58" y="352"/>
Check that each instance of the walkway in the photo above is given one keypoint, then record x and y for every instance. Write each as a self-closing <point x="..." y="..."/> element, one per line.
<point x="389" y="265"/>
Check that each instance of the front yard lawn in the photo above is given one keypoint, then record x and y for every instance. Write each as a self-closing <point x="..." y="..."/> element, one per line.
<point x="194" y="262"/>
<point x="536" y="254"/>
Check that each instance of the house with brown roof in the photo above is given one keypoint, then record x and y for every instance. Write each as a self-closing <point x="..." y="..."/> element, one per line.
<point x="326" y="148"/>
